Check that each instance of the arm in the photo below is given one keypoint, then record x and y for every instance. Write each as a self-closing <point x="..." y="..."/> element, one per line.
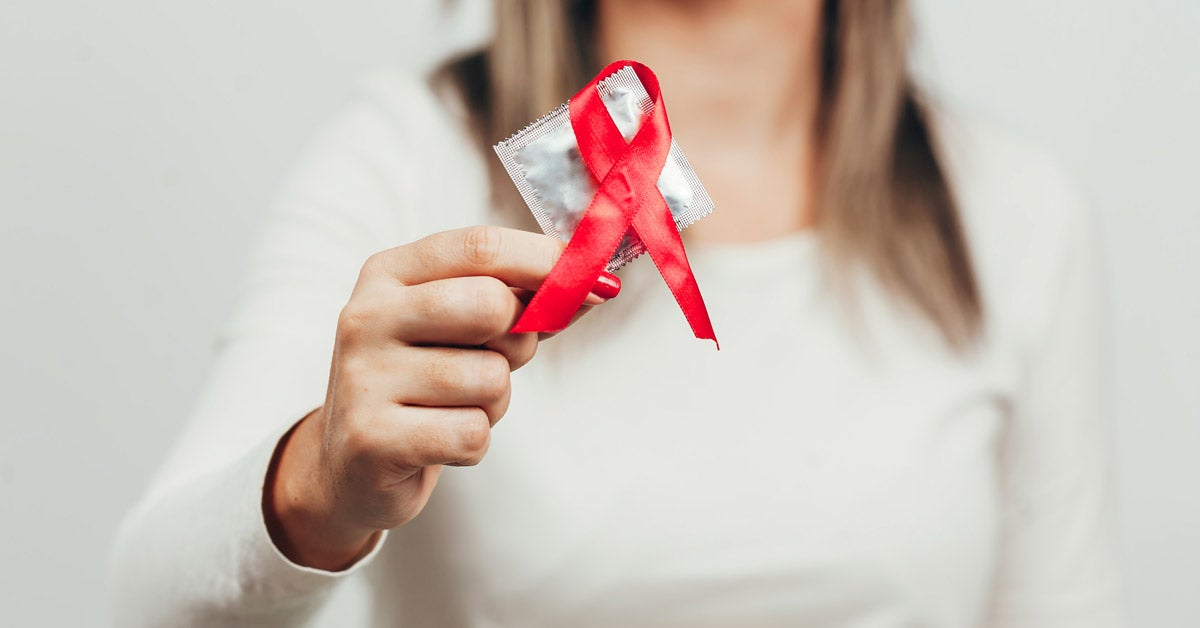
<point x="1059" y="563"/>
<point x="195" y="550"/>
<point x="258" y="513"/>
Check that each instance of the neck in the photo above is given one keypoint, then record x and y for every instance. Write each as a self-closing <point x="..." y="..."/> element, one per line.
<point x="741" y="82"/>
<point x="735" y="71"/>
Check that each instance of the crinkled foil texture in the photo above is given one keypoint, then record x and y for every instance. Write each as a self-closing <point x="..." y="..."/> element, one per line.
<point x="544" y="162"/>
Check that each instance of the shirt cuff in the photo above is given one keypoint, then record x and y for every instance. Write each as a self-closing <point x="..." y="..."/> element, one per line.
<point x="270" y="566"/>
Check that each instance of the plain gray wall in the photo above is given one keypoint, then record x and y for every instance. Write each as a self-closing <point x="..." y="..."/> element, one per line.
<point x="141" y="141"/>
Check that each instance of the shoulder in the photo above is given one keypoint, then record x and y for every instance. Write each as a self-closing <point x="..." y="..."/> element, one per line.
<point x="410" y="103"/>
<point x="412" y="140"/>
<point x="404" y="113"/>
<point x="1002" y="179"/>
<point x="1026" y="221"/>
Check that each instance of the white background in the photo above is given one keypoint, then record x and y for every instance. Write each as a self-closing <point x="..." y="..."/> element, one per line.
<point x="140" y="142"/>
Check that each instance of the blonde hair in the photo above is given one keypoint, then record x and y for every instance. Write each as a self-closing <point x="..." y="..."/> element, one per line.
<point x="884" y="201"/>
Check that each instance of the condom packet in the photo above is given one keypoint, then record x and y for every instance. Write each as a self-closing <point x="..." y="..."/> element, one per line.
<point x="544" y="162"/>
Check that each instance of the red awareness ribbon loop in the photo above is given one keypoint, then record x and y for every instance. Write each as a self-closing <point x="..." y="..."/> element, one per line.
<point x="627" y="198"/>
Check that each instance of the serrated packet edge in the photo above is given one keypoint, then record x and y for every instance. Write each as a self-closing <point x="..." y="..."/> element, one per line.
<point x="508" y="149"/>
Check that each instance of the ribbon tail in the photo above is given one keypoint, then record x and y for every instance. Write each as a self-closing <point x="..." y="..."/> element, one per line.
<point x="665" y="245"/>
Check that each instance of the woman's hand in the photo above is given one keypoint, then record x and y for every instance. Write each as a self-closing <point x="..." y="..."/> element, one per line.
<point x="420" y="374"/>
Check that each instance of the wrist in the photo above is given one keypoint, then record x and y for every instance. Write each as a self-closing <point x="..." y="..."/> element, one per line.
<point x="299" y="510"/>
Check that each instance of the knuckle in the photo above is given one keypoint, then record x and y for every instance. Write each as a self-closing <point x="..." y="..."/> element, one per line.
<point x="498" y="409"/>
<point x="355" y="320"/>
<point x="481" y="245"/>
<point x="356" y="440"/>
<point x="424" y="253"/>
<point x="474" y="437"/>
<point x="526" y="349"/>
<point x="375" y="265"/>
<point x="354" y="371"/>
<point x="492" y="376"/>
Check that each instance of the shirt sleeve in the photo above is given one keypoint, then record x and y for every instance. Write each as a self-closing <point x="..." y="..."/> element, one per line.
<point x="195" y="551"/>
<point x="1059" y="565"/>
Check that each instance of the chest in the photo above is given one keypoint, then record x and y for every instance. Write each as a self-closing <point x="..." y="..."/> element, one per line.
<point x="794" y="474"/>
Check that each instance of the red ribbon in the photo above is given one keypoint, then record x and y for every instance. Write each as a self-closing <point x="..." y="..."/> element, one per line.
<point x="627" y="197"/>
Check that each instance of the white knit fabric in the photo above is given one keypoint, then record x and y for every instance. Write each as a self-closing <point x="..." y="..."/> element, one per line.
<point x="815" y="471"/>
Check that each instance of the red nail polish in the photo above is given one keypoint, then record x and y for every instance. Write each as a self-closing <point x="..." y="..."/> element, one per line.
<point x="607" y="286"/>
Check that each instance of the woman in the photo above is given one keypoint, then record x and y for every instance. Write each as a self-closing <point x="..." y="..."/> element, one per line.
<point x="905" y="425"/>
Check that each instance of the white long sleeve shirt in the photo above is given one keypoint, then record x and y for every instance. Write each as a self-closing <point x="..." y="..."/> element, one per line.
<point x="813" y="472"/>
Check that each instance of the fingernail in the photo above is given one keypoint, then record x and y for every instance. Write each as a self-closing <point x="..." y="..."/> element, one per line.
<point x="606" y="287"/>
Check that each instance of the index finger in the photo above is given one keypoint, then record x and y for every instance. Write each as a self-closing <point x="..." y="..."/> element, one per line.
<point x="518" y="258"/>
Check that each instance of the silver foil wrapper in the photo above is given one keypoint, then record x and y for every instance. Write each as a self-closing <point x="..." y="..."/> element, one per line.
<point x="544" y="162"/>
